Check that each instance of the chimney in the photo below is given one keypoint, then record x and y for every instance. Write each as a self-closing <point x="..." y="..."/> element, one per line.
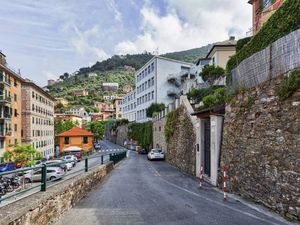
<point x="232" y="38"/>
<point x="2" y="59"/>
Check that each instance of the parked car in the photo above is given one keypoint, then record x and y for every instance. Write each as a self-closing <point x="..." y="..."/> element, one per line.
<point x="53" y="173"/>
<point x="69" y="158"/>
<point x="143" y="151"/>
<point x="4" y="167"/>
<point x="156" y="154"/>
<point x="57" y="163"/>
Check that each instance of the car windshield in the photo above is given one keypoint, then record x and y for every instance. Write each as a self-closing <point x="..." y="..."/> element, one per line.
<point x="156" y="151"/>
<point x="3" y="165"/>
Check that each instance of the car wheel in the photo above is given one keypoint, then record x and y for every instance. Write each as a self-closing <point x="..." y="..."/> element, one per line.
<point x="52" y="178"/>
<point x="27" y="180"/>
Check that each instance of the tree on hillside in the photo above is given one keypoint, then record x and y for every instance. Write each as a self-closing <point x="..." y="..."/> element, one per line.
<point x="211" y="72"/>
<point x="97" y="128"/>
<point x="61" y="126"/>
<point x="155" y="108"/>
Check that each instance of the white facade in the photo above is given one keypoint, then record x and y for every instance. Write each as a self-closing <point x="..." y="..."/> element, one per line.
<point x="152" y="85"/>
<point x="82" y="113"/>
<point x="129" y="106"/>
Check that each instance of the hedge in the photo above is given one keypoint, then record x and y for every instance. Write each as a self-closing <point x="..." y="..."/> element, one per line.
<point x="284" y="21"/>
<point x="142" y="133"/>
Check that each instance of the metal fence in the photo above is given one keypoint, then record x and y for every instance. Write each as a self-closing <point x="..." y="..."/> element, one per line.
<point x="23" y="182"/>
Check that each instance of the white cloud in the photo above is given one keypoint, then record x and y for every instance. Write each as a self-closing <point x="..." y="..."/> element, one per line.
<point x="188" y="24"/>
<point x="113" y="6"/>
<point x="82" y="44"/>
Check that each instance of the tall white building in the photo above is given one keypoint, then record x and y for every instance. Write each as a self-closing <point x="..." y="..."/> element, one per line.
<point x="153" y="86"/>
<point x="129" y="106"/>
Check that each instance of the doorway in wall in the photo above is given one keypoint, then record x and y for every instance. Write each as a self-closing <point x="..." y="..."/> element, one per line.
<point x="207" y="147"/>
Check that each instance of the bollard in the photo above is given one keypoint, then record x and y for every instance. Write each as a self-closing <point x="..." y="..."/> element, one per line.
<point x="86" y="165"/>
<point x="44" y="178"/>
<point x="224" y="182"/>
<point x="201" y="176"/>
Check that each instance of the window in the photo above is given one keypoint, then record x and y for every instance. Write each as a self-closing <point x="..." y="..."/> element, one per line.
<point x="67" y="140"/>
<point x="148" y="69"/>
<point x="152" y="66"/>
<point x="32" y="120"/>
<point x="148" y="83"/>
<point x="33" y="94"/>
<point x="16" y="127"/>
<point x="152" y="94"/>
<point x="15" y="97"/>
<point x="16" y="113"/>
<point x="152" y="81"/>
<point x="85" y="140"/>
<point x="32" y="107"/>
<point x="16" y="141"/>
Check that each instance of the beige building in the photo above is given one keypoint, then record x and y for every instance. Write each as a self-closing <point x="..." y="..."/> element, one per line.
<point x="73" y="118"/>
<point x="80" y="93"/>
<point x="10" y="107"/>
<point x="62" y="101"/>
<point x="37" y="118"/>
<point x="118" y="107"/>
<point x="221" y="52"/>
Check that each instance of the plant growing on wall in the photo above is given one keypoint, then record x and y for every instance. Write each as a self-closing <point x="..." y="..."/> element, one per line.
<point x="284" y="21"/>
<point x="217" y="98"/>
<point x="170" y="123"/>
<point x="155" y="108"/>
<point x="289" y="85"/>
<point x="142" y="133"/>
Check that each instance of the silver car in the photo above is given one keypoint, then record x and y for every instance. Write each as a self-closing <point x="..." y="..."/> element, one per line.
<point x="53" y="173"/>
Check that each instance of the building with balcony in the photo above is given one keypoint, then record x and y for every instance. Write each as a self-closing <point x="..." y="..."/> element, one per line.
<point x="129" y="106"/>
<point x="10" y="106"/>
<point x="37" y="118"/>
<point x="153" y="86"/>
<point x="117" y="102"/>
<point x="262" y="10"/>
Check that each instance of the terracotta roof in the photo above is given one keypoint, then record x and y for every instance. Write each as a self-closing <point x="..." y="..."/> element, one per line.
<point x="75" y="131"/>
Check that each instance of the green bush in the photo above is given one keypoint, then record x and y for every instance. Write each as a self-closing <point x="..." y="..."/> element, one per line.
<point x="289" y="85"/>
<point x="155" y="108"/>
<point x="284" y="21"/>
<point x="170" y="123"/>
<point x="142" y="133"/>
<point x="197" y="95"/>
<point x="217" y="98"/>
<point x="241" y="43"/>
<point x="210" y="73"/>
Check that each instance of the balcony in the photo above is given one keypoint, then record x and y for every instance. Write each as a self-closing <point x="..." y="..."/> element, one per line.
<point x="5" y="99"/>
<point x="171" y="77"/>
<point x="172" y="92"/>
<point x="4" y="80"/>
<point x="5" y="116"/>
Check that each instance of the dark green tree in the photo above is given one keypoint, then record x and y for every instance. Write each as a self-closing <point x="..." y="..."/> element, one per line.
<point x="211" y="72"/>
<point x="155" y="108"/>
<point x="97" y="128"/>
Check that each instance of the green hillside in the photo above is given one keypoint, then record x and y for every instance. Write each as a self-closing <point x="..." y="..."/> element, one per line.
<point x="111" y="70"/>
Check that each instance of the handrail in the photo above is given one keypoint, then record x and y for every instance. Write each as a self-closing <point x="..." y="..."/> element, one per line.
<point x="114" y="157"/>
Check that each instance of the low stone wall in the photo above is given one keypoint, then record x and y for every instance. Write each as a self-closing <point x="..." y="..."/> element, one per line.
<point x="47" y="207"/>
<point x="261" y="146"/>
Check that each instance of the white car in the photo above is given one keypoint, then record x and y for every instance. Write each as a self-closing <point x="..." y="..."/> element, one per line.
<point x="53" y="173"/>
<point x="69" y="158"/>
<point x="156" y="154"/>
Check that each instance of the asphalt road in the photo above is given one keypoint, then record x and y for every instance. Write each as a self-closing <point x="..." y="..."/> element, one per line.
<point x="141" y="192"/>
<point x="106" y="148"/>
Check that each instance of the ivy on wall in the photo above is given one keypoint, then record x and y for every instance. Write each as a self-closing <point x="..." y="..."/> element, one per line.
<point x="284" y="21"/>
<point x="142" y="133"/>
<point x="170" y="123"/>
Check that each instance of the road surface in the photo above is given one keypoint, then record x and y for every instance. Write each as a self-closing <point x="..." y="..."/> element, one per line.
<point x="141" y="192"/>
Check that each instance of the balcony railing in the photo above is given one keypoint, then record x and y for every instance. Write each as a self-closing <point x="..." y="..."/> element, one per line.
<point x="3" y="79"/>
<point x="4" y="98"/>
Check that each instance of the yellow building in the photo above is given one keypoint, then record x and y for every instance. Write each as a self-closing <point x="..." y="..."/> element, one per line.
<point x="61" y="101"/>
<point x="221" y="52"/>
<point x="10" y="109"/>
<point x="71" y="117"/>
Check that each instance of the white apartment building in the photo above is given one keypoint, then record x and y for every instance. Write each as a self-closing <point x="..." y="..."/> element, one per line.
<point x="152" y="85"/>
<point x="82" y="113"/>
<point x="37" y="118"/>
<point x="129" y="106"/>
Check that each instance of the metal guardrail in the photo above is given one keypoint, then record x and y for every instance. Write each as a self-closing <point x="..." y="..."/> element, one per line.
<point x="44" y="183"/>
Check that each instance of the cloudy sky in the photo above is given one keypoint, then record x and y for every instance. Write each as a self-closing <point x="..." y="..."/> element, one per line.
<point x="45" y="38"/>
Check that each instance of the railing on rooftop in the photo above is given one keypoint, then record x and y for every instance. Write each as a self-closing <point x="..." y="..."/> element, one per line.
<point x="29" y="188"/>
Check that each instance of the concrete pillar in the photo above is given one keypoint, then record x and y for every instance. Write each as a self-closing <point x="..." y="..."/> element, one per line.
<point x="166" y="111"/>
<point x="215" y="145"/>
<point x="177" y="102"/>
<point x="170" y="107"/>
<point x="200" y="143"/>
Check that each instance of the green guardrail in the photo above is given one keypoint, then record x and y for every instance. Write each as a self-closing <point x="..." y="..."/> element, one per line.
<point x="44" y="181"/>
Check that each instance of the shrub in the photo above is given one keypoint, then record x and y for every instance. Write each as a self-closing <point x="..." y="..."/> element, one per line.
<point x="197" y="95"/>
<point x="289" y="85"/>
<point x="211" y="72"/>
<point x="241" y="43"/>
<point x="247" y="104"/>
<point x="218" y="97"/>
<point x="284" y="21"/>
<point x="155" y="108"/>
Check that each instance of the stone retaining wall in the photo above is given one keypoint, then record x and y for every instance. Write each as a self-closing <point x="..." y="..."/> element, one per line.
<point x="261" y="146"/>
<point x="47" y="207"/>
